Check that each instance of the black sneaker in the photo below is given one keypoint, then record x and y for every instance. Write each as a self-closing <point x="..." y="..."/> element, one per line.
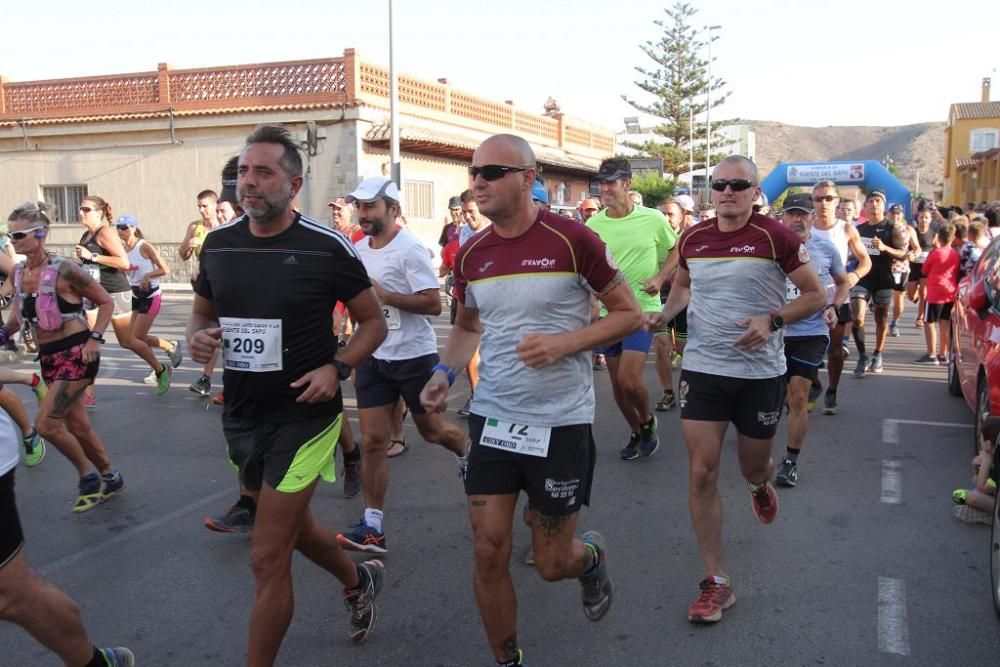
<point x="648" y="442"/>
<point x="861" y="368"/>
<point x="667" y="402"/>
<point x="118" y="656"/>
<point x="90" y="495"/>
<point x="202" y="386"/>
<point x="788" y="474"/>
<point x="114" y="483"/>
<point x="597" y="588"/>
<point x="814" y="393"/>
<point x="237" y="519"/>
<point x="360" y="601"/>
<point x="830" y="403"/>
<point x="875" y="365"/>
<point x="631" y="450"/>
<point x="352" y="476"/>
<point x="927" y="359"/>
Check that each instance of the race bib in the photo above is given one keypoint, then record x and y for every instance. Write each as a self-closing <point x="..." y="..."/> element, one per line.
<point x="251" y="345"/>
<point x="516" y="438"/>
<point x="791" y="291"/>
<point x="869" y="244"/>
<point x="921" y="258"/>
<point x="95" y="271"/>
<point x="391" y="314"/>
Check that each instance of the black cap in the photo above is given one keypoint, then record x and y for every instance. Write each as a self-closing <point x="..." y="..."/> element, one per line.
<point x="876" y="193"/>
<point x="896" y="208"/>
<point x="455" y="202"/>
<point x="610" y="172"/>
<point x="801" y="201"/>
<point x="229" y="175"/>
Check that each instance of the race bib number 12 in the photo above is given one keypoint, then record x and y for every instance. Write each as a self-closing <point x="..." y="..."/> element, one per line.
<point x="251" y="345"/>
<point x="516" y="438"/>
<point x="391" y="314"/>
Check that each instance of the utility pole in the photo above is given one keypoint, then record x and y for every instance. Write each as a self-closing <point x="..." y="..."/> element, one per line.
<point x="708" y="111"/>
<point x="394" y="160"/>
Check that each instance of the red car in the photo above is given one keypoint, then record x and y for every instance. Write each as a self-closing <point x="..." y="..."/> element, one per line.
<point x="974" y="365"/>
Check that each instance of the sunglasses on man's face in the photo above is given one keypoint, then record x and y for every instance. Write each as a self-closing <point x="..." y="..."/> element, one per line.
<point x="493" y="172"/>
<point x="17" y="236"/>
<point x="825" y="198"/>
<point x="736" y="184"/>
<point x="122" y="228"/>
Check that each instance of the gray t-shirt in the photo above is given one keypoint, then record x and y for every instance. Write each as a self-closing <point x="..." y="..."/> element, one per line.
<point x="826" y="260"/>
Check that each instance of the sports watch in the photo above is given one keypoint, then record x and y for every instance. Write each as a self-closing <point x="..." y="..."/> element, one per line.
<point x="777" y="321"/>
<point x="98" y="336"/>
<point x="343" y="369"/>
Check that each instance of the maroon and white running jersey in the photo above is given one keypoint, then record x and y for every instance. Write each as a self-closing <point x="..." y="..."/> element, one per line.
<point x="735" y="275"/>
<point x="539" y="282"/>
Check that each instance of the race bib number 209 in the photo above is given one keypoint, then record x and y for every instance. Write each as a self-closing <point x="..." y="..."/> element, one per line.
<point x="251" y="345"/>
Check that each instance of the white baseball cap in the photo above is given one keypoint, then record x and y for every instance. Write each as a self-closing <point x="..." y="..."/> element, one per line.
<point x="372" y="189"/>
<point x="685" y="202"/>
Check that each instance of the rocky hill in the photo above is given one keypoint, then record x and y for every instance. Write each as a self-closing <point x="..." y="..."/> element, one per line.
<point x="912" y="148"/>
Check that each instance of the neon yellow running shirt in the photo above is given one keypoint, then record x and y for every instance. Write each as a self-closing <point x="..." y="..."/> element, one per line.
<point x="639" y="244"/>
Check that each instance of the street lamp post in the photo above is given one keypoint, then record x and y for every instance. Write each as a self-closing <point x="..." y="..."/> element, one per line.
<point x="394" y="161"/>
<point x="708" y="111"/>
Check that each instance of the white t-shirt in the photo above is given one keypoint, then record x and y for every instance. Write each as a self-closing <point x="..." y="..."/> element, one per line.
<point x="10" y="439"/>
<point x="404" y="267"/>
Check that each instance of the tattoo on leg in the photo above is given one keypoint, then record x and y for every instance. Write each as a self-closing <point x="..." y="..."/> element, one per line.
<point x="550" y="525"/>
<point x="65" y="396"/>
<point x="508" y="648"/>
<point x="478" y="503"/>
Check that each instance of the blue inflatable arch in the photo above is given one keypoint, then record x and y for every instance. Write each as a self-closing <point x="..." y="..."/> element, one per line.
<point x="869" y="173"/>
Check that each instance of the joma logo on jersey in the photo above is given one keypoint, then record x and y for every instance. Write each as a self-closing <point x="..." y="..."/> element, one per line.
<point x="745" y="250"/>
<point x="546" y="263"/>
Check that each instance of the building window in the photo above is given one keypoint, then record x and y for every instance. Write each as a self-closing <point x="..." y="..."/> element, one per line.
<point x="983" y="140"/>
<point x="66" y="199"/>
<point x="419" y="200"/>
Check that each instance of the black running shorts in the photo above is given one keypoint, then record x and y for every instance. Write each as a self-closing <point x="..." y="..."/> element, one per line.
<point x="557" y="485"/>
<point x="379" y="382"/>
<point x="752" y="405"/>
<point x="938" y="312"/>
<point x="11" y="537"/>
<point x="804" y="354"/>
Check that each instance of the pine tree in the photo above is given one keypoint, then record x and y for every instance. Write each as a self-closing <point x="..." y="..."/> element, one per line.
<point x="678" y="83"/>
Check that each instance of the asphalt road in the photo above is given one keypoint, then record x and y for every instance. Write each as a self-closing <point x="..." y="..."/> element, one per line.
<point x="865" y="565"/>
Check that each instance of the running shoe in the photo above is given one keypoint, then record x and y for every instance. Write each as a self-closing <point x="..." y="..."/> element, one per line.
<point x="830" y="403"/>
<point x="90" y="493"/>
<point x="648" y="442"/>
<point x="861" y="369"/>
<point x="466" y="409"/>
<point x="715" y="597"/>
<point x="363" y="537"/>
<point x="219" y="399"/>
<point x="34" y="448"/>
<point x="114" y="484"/>
<point x="765" y="503"/>
<point x="846" y="349"/>
<point x="39" y="388"/>
<point x="875" y="365"/>
<point x="163" y="380"/>
<point x="150" y="377"/>
<point x="631" y="450"/>
<point x="176" y="355"/>
<point x="597" y="588"/>
<point x="894" y="329"/>
<point x="788" y="474"/>
<point x="958" y="496"/>
<point x="942" y="360"/>
<point x="360" y="601"/>
<point x="118" y="656"/>
<point x="676" y="359"/>
<point x="237" y="519"/>
<point x="202" y="386"/>
<point x="814" y="393"/>
<point x="927" y="359"/>
<point x="667" y="402"/>
<point x="352" y="477"/>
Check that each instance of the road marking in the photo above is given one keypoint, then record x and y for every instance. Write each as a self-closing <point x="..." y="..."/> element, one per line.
<point x="129" y="534"/>
<point x="892" y="483"/>
<point x="893" y="634"/>
<point x="890" y="428"/>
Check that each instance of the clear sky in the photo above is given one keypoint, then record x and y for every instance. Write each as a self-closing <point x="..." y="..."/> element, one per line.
<point x="853" y="62"/>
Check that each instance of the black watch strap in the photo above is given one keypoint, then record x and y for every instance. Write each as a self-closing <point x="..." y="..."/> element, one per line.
<point x="98" y="336"/>
<point x="343" y="369"/>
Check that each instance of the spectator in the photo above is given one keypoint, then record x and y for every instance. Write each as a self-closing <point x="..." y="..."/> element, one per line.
<point x="975" y="505"/>
<point x="961" y="225"/>
<point x="941" y="269"/>
<point x="976" y="241"/>
<point x="636" y="197"/>
<point x="451" y="224"/>
<point x="588" y="208"/>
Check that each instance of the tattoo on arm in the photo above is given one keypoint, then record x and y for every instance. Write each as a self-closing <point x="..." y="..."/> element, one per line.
<point x="550" y="525"/>
<point x="78" y="279"/>
<point x="508" y="648"/>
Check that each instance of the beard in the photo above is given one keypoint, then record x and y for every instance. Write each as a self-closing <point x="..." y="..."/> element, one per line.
<point x="374" y="228"/>
<point x="273" y="205"/>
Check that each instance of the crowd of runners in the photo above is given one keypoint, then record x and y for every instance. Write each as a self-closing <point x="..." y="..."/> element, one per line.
<point x="749" y="307"/>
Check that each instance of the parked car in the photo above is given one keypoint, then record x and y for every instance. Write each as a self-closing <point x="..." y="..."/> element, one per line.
<point x="974" y="366"/>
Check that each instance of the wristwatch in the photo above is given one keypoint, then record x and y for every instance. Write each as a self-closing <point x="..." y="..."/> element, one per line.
<point x="343" y="370"/>
<point x="777" y="321"/>
<point x="98" y="336"/>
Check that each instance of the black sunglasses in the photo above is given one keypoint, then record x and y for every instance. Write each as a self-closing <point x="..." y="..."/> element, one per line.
<point x="17" y="236"/>
<point x="85" y="209"/>
<point x="122" y="227"/>
<point x="737" y="184"/>
<point x="825" y="198"/>
<point x="493" y="172"/>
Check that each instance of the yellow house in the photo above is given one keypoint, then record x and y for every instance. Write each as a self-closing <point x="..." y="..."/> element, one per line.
<point x="972" y="152"/>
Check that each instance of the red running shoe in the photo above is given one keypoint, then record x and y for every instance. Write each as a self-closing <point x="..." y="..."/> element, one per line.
<point x="765" y="503"/>
<point x="714" y="598"/>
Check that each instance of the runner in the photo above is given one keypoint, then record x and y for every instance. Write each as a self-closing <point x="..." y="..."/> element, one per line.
<point x="104" y="258"/>
<point x="48" y="293"/>
<point x="733" y="274"/>
<point x="807" y="341"/>
<point x="901" y="267"/>
<point x="283" y="405"/>
<point x="669" y="342"/>
<point x="916" y="288"/>
<point x="11" y="403"/>
<point x="844" y="237"/>
<point x="407" y="287"/>
<point x="884" y="244"/>
<point x="27" y="600"/>
<point x="536" y="395"/>
<point x="146" y="267"/>
<point x="640" y="240"/>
